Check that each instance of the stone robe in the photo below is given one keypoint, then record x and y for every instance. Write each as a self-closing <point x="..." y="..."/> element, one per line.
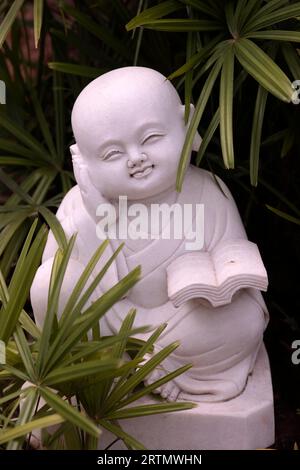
<point x="222" y="343"/>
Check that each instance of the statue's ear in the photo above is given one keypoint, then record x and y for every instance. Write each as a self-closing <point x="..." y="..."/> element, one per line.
<point x="74" y="149"/>
<point x="197" y="139"/>
<point x="78" y="163"/>
<point x="75" y="152"/>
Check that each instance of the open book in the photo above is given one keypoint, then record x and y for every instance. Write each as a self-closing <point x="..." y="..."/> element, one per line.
<point x="216" y="275"/>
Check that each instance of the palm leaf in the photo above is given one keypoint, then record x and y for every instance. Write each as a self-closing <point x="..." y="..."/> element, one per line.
<point x="226" y="103"/>
<point x="75" y="69"/>
<point x="258" y="118"/>
<point x="24" y="429"/>
<point x="149" y="409"/>
<point x="199" y="109"/>
<point x="38" y="7"/>
<point x="263" y="69"/>
<point x="9" y="19"/>
<point x="68" y="412"/>
<point x="154" y="13"/>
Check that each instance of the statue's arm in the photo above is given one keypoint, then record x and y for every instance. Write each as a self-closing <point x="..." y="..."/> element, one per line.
<point x="40" y="285"/>
<point x="222" y="218"/>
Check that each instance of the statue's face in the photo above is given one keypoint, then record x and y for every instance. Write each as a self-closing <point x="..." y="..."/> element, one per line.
<point x="132" y="149"/>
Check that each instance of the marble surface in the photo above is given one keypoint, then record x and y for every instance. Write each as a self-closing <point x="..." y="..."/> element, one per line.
<point x="243" y="423"/>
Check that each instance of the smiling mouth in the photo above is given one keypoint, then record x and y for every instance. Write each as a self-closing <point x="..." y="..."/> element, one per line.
<point x="142" y="173"/>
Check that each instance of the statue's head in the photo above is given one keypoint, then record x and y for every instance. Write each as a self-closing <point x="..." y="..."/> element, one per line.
<point x="129" y="129"/>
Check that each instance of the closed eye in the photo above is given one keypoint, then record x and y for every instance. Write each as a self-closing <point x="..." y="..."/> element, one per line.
<point x="152" y="138"/>
<point x="112" y="155"/>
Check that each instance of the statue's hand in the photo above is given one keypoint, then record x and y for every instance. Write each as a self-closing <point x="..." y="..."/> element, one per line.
<point x="91" y="196"/>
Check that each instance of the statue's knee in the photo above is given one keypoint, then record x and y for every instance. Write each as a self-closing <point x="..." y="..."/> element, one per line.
<point x="40" y="287"/>
<point x="39" y="291"/>
<point x="256" y="324"/>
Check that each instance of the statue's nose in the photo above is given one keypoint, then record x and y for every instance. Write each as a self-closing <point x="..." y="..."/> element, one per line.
<point x="136" y="159"/>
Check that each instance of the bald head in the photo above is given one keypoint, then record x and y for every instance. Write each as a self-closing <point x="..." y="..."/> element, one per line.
<point x="125" y="93"/>
<point x="129" y="128"/>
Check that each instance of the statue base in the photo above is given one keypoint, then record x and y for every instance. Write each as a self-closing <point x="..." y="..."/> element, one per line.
<point x="245" y="422"/>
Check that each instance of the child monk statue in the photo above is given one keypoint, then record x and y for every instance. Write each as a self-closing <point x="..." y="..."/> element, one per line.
<point x="129" y="129"/>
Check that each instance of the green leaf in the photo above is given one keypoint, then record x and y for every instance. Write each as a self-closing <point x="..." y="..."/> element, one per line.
<point x="188" y="81"/>
<point x="263" y="69"/>
<point x="9" y="19"/>
<point x="14" y="187"/>
<point x="66" y="319"/>
<point x="239" y="14"/>
<point x="258" y="118"/>
<point x="98" y="30"/>
<point x="75" y="69"/>
<point x="26" y="186"/>
<point x="55" y="227"/>
<point x="182" y="25"/>
<point x="38" y="7"/>
<point x="4" y="296"/>
<point x="43" y="186"/>
<point x="13" y="372"/>
<point x="150" y="388"/>
<point x="91" y="347"/>
<point x="59" y="267"/>
<point x="26" y="413"/>
<point x="120" y="348"/>
<point x="271" y="18"/>
<point x="284" y="215"/>
<point x="15" y="161"/>
<point x="23" y="429"/>
<point x="68" y="412"/>
<point x="154" y="13"/>
<point x="12" y="396"/>
<point x="288" y="141"/>
<point x="15" y="148"/>
<point x="150" y="409"/>
<point x="28" y="325"/>
<point x="21" y="282"/>
<point x="126" y="328"/>
<point x="58" y="96"/>
<point x="148" y="346"/>
<point x="214" y="122"/>
<point x="25" y="137"/>
<point x="93" y="314"/>
<point x="199" y="109"/>
<point x="120" y="392"/>
<point x="138" y="42"/>
<point x="105" y="368"/>
<point x="226" y="103"/>
<point x="275" y="35"/>
<point x="292" y="59"/>
<point x="116" y="429"/>
<point x="8" y="232"/>
<point x="197" y="58"/>
<point x="231" y="19"/>
<point x="205" y="7"/>
<point x="43" y="124"/>
<point x="25" y="353"/>
<point x="71" y="311"/>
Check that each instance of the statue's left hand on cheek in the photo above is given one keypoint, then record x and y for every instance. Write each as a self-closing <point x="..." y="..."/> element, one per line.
<point x="91" y="196"/>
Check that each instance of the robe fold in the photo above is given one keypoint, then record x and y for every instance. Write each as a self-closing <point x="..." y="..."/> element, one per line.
<point x="222" y="343"/>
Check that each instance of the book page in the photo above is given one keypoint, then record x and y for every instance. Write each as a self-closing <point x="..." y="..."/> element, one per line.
<point x="237" y="258"/>
<point x="190" y="269"/>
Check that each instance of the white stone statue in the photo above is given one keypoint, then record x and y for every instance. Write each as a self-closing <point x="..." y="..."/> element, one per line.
<point x="129" y="129"/>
